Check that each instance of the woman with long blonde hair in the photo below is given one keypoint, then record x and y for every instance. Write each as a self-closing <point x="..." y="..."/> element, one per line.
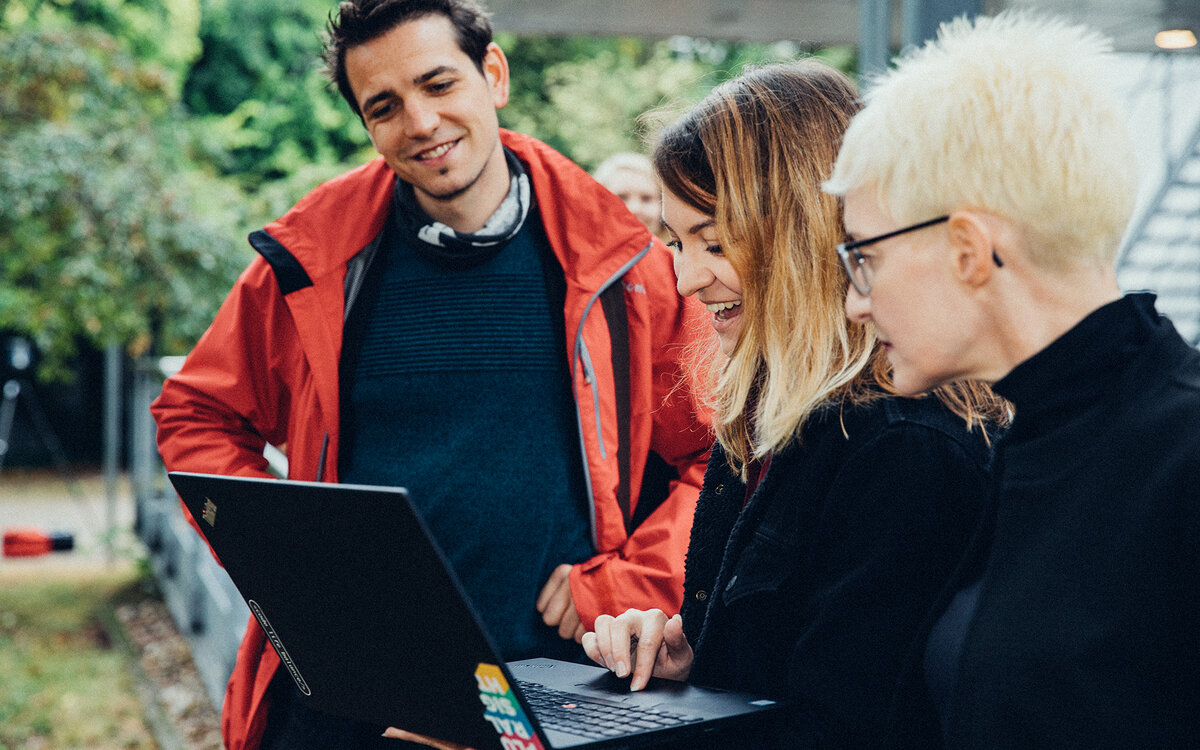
<point x="832" y="511"/>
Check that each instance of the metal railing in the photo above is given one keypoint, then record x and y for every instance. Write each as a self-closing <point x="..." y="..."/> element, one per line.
<point x="203" y="602"/>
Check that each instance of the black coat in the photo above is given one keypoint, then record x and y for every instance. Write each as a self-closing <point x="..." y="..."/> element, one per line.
<point x="816" y="591"/>
<point x="1087" y="630"/>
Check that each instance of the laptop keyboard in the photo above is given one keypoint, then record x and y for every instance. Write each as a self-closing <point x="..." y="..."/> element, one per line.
<point x="588" y="717"/>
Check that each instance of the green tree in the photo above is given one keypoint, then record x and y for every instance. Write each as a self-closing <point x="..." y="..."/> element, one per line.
<point x="590" y="97"/>
<point x="163" y="32"/>
<point x="583" y="95"/>
<point x="259" y="88"/>
<point x="110" y="231"/>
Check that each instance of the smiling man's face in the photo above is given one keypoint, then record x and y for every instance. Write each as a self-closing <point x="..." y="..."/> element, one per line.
<point x="431" y="113"/>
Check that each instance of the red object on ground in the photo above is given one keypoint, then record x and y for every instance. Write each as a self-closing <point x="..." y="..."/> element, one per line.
<point x="34" y="542"/>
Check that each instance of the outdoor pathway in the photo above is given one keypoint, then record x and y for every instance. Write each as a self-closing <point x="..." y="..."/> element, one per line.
<point x="177" y="707"/>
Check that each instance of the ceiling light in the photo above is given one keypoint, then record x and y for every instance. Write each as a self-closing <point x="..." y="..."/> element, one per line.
<point x="1175" y="39"/>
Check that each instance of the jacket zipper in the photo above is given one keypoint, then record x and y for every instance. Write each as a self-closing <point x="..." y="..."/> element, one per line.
<point x="584" y="358"/>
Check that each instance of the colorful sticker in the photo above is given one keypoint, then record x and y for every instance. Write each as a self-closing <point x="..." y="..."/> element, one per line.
<point x="503" y="712"/>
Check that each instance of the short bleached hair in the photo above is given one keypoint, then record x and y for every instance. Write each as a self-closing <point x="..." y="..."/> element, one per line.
<point x="1012" y="115"/>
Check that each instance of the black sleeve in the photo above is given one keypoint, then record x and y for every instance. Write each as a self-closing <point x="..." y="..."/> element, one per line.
<point x="898" y="517"/>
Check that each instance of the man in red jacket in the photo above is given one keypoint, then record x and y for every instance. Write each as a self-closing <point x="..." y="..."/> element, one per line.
<point x="470" y="316"/>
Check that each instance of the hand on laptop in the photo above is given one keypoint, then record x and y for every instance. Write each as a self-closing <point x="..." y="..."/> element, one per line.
<point x="558" y="607"/>
<point x="661" y="648"/>
<point x="420" y="739"/>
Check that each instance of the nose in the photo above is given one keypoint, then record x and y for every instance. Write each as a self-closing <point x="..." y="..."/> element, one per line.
<point x="858" y="307"/>
<point x="691" y="273"/>
<point x="420" y="120"/>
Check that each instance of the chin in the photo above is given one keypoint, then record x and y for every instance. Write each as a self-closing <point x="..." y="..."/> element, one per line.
<point x="908" y="383"/>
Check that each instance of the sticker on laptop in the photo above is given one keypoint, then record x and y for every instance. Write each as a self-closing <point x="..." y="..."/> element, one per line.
<point x="503" y="712"/>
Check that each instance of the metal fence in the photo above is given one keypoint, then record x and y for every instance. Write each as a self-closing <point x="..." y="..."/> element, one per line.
<point x="202" y="600"/>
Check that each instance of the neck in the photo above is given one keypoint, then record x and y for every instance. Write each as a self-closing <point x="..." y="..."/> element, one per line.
<point x="467" y="210"/>
<point x="1041" y="306"/>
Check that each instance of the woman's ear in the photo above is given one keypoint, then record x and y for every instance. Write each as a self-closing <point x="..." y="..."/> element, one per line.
<point x="972" y="237"/>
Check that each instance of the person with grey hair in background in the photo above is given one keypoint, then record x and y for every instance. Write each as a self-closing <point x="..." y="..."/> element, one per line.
<point x="987" y="183"/>
<point x="630" y="176"/>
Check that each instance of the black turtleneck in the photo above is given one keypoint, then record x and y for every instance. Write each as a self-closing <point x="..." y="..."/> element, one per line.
<point x="1079" y="626"/>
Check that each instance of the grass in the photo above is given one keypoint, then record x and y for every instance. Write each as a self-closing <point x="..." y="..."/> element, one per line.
<point x="65" y="680"/>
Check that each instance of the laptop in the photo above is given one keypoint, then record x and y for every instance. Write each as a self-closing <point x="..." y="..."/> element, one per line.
<point x="371" y="622"/>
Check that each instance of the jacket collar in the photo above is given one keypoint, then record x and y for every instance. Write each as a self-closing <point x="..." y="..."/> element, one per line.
<point x="342" y="216"/>
<point x="1079" y="386"/>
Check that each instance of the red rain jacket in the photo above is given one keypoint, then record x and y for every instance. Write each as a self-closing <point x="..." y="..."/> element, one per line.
<point x="267" y="371"/>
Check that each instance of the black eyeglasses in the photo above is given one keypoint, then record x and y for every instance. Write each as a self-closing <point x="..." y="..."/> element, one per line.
<point x="859" y="270"/>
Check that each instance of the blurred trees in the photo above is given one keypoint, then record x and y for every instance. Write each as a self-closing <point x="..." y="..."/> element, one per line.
<point x="111" y="229"/>
<point x="586" y="96"/>
<point x="259" y="89"/>
<point x="140" y="140"/>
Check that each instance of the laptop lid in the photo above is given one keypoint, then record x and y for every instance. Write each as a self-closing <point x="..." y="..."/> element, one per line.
<point x="371" y="622"/>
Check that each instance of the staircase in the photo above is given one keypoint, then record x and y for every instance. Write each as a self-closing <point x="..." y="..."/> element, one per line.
<point x="1162" y="252"/>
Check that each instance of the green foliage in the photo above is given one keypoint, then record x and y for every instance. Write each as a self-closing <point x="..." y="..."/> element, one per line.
<point x="584" y="95"/>
<point x="110" y="232"/>
<point x="590" y="97"/>
<point x="260" y="90"/>
<point x="162" y="31"/>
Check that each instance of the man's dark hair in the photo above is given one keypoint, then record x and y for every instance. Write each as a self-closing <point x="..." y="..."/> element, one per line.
<point x="359" y="21"/>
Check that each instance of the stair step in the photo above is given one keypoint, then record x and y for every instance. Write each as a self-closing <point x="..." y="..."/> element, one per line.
<point x="1177" y="226"/>
<point x="1180" y="198"/>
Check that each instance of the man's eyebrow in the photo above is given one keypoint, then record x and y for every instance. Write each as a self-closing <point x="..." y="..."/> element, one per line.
<point x="439" y="70"/>
<point x="371" y="101"/>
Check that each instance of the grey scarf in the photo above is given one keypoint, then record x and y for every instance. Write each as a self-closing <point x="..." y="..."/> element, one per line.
<point x="446" y="247"/>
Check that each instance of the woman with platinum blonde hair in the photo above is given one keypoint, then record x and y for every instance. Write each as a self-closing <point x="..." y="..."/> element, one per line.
<point x="987" y="185"/>
<point x="832" y="511"/>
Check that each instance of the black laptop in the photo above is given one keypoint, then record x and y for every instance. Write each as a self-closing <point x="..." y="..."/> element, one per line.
<point x="371" y="622"/>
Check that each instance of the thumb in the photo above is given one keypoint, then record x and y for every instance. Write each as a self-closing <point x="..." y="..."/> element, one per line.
<point x="673" y="637"/>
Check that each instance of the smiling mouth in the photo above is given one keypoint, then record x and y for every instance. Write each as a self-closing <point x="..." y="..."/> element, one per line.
<point x="436" y="151"/>
<point x="722" y="309"/>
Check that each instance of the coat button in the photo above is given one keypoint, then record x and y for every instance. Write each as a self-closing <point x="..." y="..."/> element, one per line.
<point x="719" y="489"/>
<point x="701" y="595"/>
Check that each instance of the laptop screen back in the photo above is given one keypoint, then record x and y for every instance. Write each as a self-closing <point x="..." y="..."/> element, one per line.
<point x="307" y="558"/>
